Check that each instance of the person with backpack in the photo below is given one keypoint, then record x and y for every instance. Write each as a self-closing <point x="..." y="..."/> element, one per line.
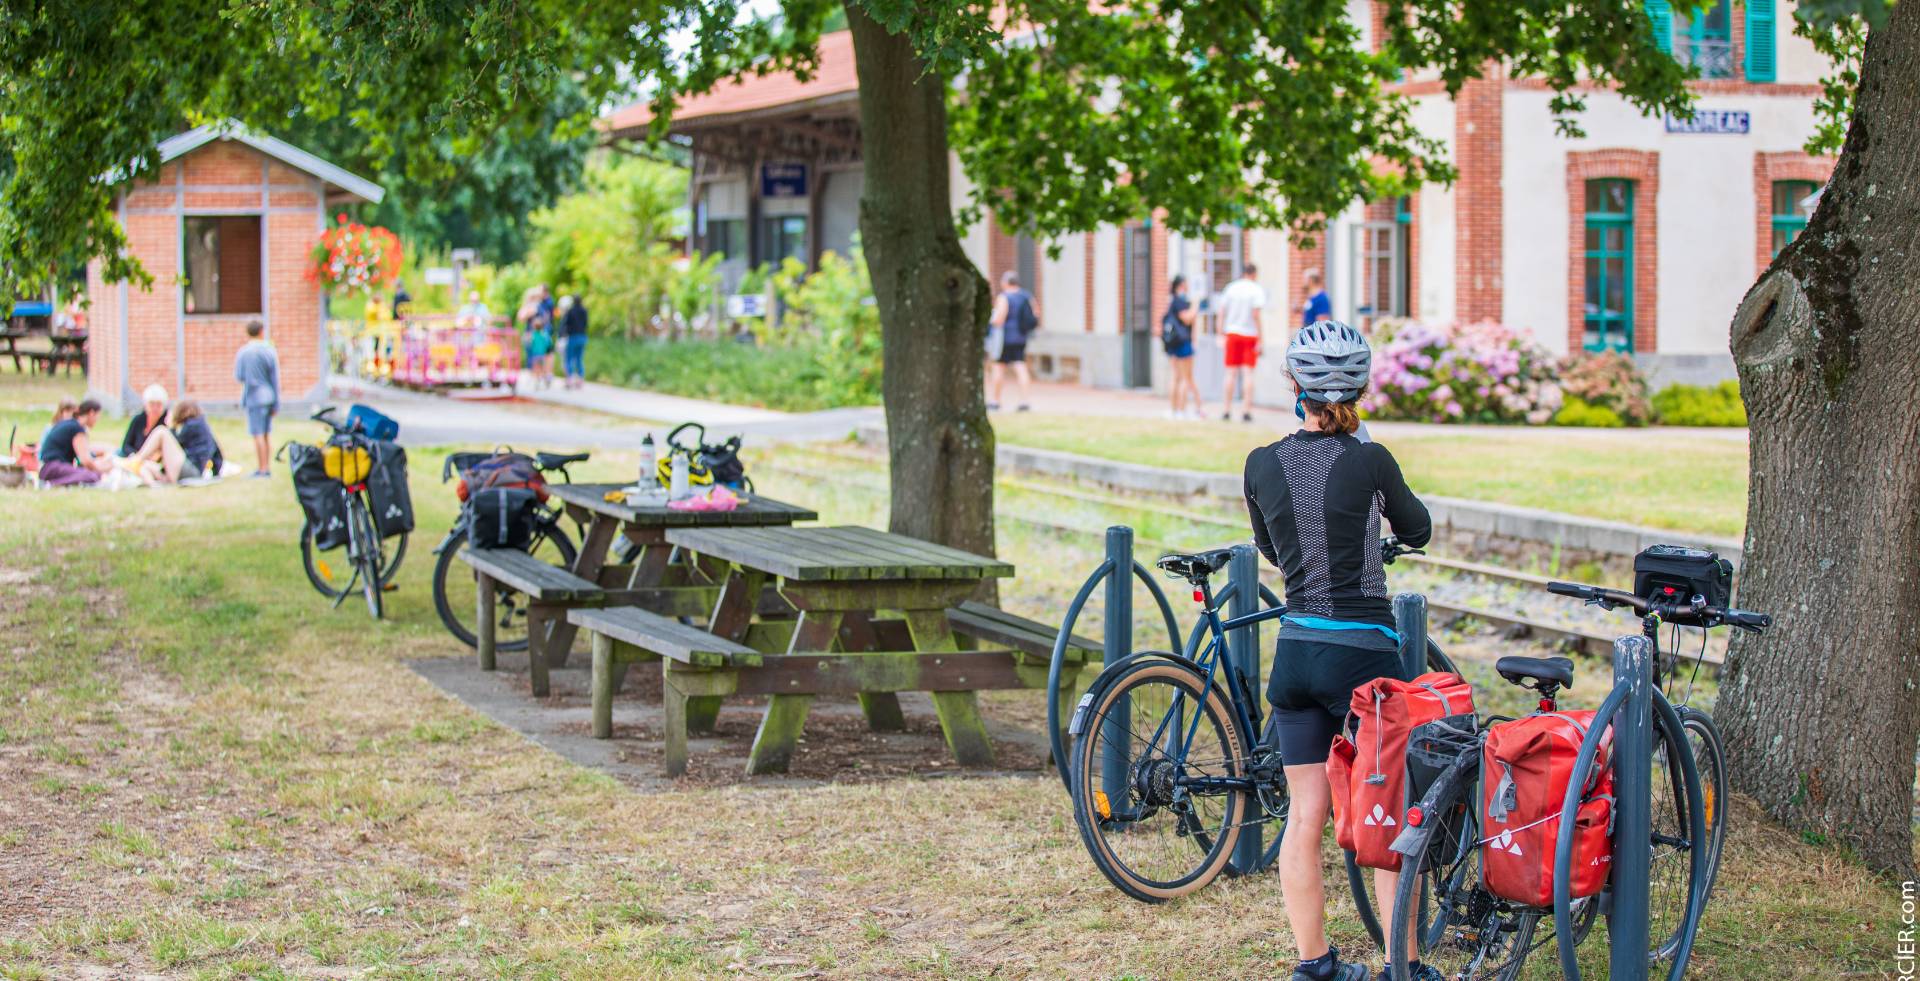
<point x="1175" y="331"/>
<point x="1016" y="317"/>
<point x="1317" y="499"/>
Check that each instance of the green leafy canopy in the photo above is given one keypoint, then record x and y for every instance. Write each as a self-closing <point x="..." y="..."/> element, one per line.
<point x="1256" y="112"/>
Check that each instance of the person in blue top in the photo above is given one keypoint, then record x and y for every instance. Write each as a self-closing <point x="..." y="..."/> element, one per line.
<point x="1317" y="500"/>
<point x="1016" y="316"/>
<point x="257" y="369"/>
<point x="1316" y="306"/>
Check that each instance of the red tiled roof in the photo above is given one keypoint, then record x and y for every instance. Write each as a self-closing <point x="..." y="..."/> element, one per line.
<point x="834" y="76"/>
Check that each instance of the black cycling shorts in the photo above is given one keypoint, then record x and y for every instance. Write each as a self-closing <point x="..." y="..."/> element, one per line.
<point x="1013" y="353"/>
<point x="1311" y="688"/>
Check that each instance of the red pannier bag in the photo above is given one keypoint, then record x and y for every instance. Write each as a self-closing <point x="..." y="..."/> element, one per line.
<point x="1525" y="767"/>
<point x="502" y="471"/>
<point x="1368" y="766"/>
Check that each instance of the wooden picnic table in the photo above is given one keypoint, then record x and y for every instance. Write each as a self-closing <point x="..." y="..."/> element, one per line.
<point x="644" y="522"/>
<point x="853" y="587"/>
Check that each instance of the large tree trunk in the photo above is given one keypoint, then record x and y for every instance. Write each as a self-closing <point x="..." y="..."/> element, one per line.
<point x="1821" y="714"/>
<point x="933" y="302"/>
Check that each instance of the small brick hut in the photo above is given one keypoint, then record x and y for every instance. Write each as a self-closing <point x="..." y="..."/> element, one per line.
<point x="225" y="227"/>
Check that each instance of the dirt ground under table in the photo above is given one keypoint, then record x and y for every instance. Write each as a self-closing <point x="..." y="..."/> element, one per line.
<point x="836" y="747"/>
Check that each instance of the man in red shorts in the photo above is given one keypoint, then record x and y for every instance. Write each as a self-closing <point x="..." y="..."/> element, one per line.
<point x="1240" y="306"/>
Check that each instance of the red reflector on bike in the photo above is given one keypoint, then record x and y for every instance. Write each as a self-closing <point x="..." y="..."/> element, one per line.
<point x="1197" y="598"/>
<point x="1415" y="816"/>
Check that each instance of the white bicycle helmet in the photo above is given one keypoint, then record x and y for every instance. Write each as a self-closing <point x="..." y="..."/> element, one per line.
<point x="1330" y="361"/>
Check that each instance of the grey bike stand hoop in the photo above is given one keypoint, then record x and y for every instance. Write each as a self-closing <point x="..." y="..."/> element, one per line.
<point x="1243" y="657"/>
<point x="1117" y="641"/>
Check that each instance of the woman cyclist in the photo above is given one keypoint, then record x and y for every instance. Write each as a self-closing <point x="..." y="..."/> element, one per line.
<point x="1316" y="499"/>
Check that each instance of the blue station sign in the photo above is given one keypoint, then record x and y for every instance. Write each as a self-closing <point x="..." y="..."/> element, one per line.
<point x="783" y="180"/>
<point x="1719" y="121"/>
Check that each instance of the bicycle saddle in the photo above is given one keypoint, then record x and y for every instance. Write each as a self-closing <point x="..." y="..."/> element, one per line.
<point x="1552" y="670"/>
<point x="1195" y="566"/>
<point x="548" y="461"/>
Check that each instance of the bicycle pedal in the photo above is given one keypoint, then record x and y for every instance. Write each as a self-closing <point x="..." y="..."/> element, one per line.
<point x="389" y="587"/>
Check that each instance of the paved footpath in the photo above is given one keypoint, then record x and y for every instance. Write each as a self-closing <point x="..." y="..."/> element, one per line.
<point x="540" y="420"/>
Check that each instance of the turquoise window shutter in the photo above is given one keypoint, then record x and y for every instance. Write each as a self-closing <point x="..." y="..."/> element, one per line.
<point x="1661" y="13"/>
<point x="1760" y="40"/>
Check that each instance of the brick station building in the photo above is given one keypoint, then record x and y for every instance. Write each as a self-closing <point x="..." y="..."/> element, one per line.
<point x="1640" y="236"/>
<point x="225" y="225"/>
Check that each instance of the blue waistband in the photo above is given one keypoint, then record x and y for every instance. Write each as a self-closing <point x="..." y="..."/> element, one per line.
<point x="1323" y="623"/>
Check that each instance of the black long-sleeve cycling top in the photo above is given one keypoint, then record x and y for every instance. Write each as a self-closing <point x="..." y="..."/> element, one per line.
<point x="1316" y="500"/>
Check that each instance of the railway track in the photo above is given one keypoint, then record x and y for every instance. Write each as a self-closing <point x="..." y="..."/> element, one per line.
<point x="1585" y="640"/>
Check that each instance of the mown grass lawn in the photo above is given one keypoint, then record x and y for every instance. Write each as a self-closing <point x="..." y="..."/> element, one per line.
<point x="204" y="772"/>
<point x="1656" y="477"/>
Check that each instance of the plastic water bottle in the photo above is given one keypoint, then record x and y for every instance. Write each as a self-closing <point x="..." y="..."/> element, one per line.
<point x="678" y="489"/>
<point x="649" y="464"/>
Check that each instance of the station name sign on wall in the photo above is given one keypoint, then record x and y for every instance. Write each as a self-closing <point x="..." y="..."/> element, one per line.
<point x="1732" y="121"/>
<point x="783" y="180"/>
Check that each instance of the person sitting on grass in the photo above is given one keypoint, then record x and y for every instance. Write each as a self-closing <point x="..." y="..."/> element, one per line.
<point x="185" y="451"/>
<point x="66" y="457"/>
<point x="144" y="423"/>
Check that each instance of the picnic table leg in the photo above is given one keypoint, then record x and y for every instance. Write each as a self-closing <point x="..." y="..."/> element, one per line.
<point x="882" y="708"/>
<point x="602" y="686"/>
<point x="779" y="732"/>
<point x="959" y="711"/>
<point x="674" y="702"/>
<point x="537" y="650"/>
<point x="733" y="611"/>
<point x="786" y="715"/>
<point x="484" y="628"/>
<point x="586" y="565"/>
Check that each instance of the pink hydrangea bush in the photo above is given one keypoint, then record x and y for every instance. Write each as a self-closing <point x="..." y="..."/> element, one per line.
<point x="1484" y="372"/>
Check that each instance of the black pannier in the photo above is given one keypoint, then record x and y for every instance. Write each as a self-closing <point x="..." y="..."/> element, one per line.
<point x="387" y="489"/>
<point x="1678" y="574"/>
<point x="502" y="518"/>
<point x="319" y="496"/>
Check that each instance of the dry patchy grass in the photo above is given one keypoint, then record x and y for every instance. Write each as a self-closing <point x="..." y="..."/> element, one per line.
<point x="209" y="774"/>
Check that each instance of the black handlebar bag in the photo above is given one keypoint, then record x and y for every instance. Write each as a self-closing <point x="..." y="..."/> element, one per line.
<point x="387" y="488"/>
<point x="1677" y="574"/>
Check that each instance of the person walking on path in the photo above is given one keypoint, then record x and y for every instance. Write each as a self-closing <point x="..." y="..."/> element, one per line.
<point x="1016" y="316"/>
<point x="1315" y="306"/>
<point x="573" y="327"/>
<point x="257" y="369"/>
<point x="1175" y="331"/>
<point x="1240" y="306"/>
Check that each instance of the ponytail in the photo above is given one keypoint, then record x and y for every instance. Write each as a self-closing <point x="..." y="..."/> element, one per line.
<point x="1340" y="418"/>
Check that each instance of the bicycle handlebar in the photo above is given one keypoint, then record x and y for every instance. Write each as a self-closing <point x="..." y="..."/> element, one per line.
<point x="1390" y="549"/>
<point x="1712" y="615"/>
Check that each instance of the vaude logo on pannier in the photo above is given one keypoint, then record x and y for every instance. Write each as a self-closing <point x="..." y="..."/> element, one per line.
<point x="1504" y="841"/>
<point x="393" y="511"/>
<point x="1379" y="818"/>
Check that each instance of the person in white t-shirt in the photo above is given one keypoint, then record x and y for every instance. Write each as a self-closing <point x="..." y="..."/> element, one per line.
<point x="1240" y="305"/>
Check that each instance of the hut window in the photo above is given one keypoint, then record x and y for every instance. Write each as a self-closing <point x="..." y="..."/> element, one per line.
<point x="222" y="264"/>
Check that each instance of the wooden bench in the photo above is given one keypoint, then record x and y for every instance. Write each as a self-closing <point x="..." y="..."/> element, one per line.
<point x="625" y="634"/>
<point x="549" y="590"/>
<point x="1033" y="641"/>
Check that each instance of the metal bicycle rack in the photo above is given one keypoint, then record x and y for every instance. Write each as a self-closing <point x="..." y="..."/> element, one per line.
<point x="1632" y="711"/>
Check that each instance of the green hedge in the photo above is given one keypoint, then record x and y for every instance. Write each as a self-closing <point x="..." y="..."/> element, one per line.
<point x="800" y="377"/>
<point x="1692" y="405"/>
<point x="1577" y="411"/>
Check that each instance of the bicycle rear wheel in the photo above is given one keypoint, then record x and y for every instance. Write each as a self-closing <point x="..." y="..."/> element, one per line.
<point x="1152" y="833"/>
<point x="366" y="543"/>
<point x="1456" y="926"/>
<point x="455" y="592"/>
<point x="329" y="575"/>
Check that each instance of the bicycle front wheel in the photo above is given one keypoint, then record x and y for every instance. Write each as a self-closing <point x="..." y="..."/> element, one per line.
<point x="366" y="542"/>
<point x="1152" y="740"/>
<point x="1682" y="855"/>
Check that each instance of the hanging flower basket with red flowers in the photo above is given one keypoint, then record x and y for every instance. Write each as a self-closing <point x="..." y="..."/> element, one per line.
<point x="352" y="256"/>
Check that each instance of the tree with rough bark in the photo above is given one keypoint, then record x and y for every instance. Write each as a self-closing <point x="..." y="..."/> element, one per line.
<point x="1822" y="714"/>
